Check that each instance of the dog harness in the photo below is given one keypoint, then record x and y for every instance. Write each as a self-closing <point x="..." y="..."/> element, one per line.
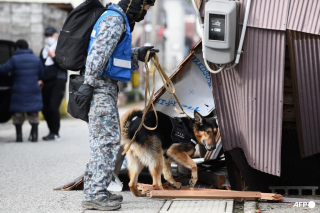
<point x="180" y="133"/>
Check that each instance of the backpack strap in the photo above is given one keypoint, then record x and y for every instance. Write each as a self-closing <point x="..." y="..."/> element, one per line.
<point x="124" y="22"/>
<point x="123" y="34"/>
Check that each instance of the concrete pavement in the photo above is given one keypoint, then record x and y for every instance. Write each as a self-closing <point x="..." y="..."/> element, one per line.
<point x="30" y="171"/>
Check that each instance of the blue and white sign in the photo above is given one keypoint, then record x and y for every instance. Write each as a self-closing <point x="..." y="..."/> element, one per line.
<point x="193" y="88"/>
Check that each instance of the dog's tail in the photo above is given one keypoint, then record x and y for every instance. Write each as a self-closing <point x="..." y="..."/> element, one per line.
<point x="125" y="122"/>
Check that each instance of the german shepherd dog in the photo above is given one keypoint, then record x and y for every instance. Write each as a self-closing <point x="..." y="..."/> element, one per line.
<point x="156" y="149"/>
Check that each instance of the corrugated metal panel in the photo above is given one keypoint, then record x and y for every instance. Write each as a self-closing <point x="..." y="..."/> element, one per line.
<point x="304" y="16"/>
<point x="270" y="14"/>
<point x="249" y="100"/>
<point x="307" y="66"/>
<point x="298" y="15"/>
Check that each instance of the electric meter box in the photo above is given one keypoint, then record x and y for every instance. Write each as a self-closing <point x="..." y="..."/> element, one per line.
<point x="220" y="27"/>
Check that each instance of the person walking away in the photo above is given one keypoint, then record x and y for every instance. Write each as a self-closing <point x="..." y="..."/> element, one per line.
<point x="110" y="59"/>
<point x="27" y="72"/>
<point x="54" y="85"/>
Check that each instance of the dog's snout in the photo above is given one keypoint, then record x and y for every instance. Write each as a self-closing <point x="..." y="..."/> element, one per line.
<point x="208" y="146"/>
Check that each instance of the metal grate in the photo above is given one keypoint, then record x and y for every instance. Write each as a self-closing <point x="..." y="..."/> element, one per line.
<point x="193" y="206"/>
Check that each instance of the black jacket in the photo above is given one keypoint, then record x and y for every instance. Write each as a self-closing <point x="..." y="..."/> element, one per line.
<point x="54" y="71"/>
<point x="26" y="70"/>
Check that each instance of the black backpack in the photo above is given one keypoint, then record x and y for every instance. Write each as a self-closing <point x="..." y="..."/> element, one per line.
<point x="72" y="47"/>
<point x="73" y="42"/>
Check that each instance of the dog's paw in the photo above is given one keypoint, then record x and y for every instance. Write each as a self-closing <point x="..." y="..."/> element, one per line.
<point x="142" y="194"/>
<point x="192" y="182"/>
<point x="176" y="185"/>
<point x="157" y="187"/>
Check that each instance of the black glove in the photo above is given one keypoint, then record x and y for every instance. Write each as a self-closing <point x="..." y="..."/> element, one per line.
<point x="142" y="51"/>
<point x="84" y="95"/>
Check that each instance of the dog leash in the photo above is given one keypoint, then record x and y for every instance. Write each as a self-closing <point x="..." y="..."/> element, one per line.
<point x="167" y="83"/>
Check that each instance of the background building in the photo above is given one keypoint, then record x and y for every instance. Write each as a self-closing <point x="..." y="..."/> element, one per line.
<point x="174" y="34"/>
<point x="28" y="21"/>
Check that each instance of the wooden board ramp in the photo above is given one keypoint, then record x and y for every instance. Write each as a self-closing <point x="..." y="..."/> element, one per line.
<point x="170" y="192"/>
<point x="205" y="194"/>
<point x="76" y="184"/>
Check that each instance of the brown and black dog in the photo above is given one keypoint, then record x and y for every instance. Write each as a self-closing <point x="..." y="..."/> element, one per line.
<point x="156" y="149"/>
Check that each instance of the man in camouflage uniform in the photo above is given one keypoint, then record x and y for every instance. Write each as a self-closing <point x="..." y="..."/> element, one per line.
<point x="101" y="94"/>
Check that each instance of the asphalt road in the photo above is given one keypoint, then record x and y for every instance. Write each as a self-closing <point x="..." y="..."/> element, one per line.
<point x="30" y="171"/>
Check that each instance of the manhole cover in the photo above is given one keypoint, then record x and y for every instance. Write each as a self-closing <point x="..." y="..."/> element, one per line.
<point x="203" y="206"/>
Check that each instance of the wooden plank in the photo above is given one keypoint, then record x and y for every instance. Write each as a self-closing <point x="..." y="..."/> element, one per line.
<point x="287" y="71"/>
<point x="271" y="196"/>
<point x="263" y="196"/>
<point x="76" y="184"/>
<point x="288" y="98"/>
<point x="291" y="35"/>
<point x="140" y="186"/>
<point x="288" y="113"/>
<point x="216" y="178"/>
<point x="288" y="90"/>
<point x="212" y="194"/>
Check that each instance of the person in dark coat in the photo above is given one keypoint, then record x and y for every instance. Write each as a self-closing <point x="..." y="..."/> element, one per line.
<point x="54" y="84"/>
<point x="27" y="72"/>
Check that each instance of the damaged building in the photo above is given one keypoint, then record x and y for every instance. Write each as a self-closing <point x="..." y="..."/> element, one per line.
<point x="268" y="106"/>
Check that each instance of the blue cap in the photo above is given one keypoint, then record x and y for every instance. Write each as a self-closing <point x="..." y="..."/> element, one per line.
<point x="50" y="31"/>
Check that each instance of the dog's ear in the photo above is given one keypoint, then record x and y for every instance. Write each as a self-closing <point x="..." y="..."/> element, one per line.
<point x="197" y="117"/>
<point x="215" y="125"/>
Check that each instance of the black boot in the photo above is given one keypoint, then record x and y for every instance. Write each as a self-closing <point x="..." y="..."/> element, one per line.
<point x="34" y="133"/>
<point x="19" y="132"/>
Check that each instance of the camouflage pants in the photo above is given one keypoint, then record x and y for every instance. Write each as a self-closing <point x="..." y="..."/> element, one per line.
<point x="104" y="136"/>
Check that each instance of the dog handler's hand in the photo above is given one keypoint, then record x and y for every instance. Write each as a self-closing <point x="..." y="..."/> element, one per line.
<point x="84" y="95"/>
<point x="142" y="51"/>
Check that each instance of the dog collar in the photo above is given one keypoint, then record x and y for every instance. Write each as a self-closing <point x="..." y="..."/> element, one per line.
<point x="194" y="142"/>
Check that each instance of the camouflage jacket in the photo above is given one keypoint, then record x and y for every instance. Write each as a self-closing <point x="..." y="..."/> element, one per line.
<point x="109" y="33"/>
